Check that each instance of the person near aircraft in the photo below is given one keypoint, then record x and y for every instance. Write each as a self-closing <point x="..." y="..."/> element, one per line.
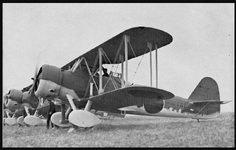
<point x="51" y="111"/>
<point x="105" y="72"/>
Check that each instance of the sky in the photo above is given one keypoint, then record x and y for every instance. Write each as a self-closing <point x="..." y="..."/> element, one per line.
<point x="55" y="34"/>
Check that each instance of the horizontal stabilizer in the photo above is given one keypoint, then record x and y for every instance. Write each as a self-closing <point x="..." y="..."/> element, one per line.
<point x="210" y="101"/>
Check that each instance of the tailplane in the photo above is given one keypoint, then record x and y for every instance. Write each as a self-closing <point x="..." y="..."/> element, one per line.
<point x="206" y="90"/>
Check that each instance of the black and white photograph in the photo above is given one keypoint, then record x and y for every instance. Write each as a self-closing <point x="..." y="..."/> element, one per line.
<point x="118" y="75"/>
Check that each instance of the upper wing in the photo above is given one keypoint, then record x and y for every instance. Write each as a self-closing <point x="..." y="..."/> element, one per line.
<point x="139" y="36"/>
<point x="209" y="101"/>
<point x="128" y="96"/>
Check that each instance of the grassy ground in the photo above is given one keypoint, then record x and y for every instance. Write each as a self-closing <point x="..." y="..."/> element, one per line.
<point x="130" y="132"/>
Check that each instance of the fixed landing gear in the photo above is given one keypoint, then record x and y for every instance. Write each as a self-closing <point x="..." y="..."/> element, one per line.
<point x="57" y="120"/>
<point x="77" y="119"/>
<point x="82" y="118"/>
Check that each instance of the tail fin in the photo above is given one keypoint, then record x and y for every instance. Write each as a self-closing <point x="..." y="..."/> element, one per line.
<point x="207" y="89"/>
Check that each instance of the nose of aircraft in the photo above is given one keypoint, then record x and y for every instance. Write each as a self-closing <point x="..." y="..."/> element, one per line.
<point x="40" y="92"/>
<point x="49" y="79"/>
<point x="15" y="95"/>
<point x="12" y="100"/>
<point x="12" y="105"/>
<point x="47" y="88"/>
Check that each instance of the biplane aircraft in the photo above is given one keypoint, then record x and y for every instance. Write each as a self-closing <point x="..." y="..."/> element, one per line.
<point x="82" y="85"/>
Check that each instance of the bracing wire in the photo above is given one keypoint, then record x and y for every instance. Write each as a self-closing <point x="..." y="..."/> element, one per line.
<point x="111" y="69"/>
<point x="138" y="65"/>
<point x="115" y="67"/>
<point x="132" y="49"/>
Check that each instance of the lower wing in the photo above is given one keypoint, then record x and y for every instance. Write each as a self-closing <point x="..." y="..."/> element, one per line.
<point x="128" y="96"/>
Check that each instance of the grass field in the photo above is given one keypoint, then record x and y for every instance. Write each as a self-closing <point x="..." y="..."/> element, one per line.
<point x="130" y="132"/>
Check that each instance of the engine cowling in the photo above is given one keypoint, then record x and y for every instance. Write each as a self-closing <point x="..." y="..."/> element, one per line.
<point x="49" y="81"/>
<point x="51" y="73"/>
<point x="16" y="95"/>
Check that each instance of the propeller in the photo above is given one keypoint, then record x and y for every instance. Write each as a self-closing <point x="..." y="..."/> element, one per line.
<point x="36" y="74"/>
<point x="35" y="82"/>
<point x="33" y="119"/>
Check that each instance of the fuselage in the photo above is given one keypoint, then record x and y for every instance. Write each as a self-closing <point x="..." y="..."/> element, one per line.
<point x="54" y="82"/>
<point x="176" y="107"/>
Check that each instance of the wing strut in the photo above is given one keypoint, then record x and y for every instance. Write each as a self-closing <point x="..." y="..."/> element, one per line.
<point x="100" y="70"/>
<point x="127" y="39"/>
<point x="149" y="45"/>
<point x="150" y="51"/>
<point x="89" y="103"/>
<point x="122" y="70"/>
<point x="156" y="67"/>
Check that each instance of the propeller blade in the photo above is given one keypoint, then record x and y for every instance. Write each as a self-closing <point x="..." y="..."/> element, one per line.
<point x="34" y="81"/>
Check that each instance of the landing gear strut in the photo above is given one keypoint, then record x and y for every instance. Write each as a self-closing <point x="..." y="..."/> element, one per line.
<point x="63" y="114"/>
<point x="59" y="118"/>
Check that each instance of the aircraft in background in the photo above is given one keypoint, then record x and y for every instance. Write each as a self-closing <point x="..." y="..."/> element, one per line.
<point x="21" y="103"/>
<point x="81" y="84"/>
<point x="16" y="99"/>
<point x="17" y="116"/>
<point x="17" y="103"/>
